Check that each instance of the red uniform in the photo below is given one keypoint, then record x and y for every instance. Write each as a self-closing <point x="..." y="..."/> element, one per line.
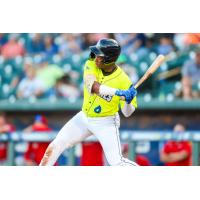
<point x="4" y="145"/>
<point x="175" y="147"/>
<point x="142" y="160"/>
<point x="92" y="154"/>
<point x="36" y="150"/>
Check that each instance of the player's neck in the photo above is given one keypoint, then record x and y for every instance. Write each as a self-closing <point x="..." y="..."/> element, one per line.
<point x="109" y="69"/>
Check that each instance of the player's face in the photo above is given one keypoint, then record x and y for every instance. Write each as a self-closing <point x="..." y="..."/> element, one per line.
<point x="99" y="62"/>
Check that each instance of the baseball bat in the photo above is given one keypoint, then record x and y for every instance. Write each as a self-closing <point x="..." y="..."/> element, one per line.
<point x="154" y="66"/>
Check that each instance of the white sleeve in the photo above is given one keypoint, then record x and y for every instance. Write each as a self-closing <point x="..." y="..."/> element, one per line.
<point x="22" y="85"/>
<point x="106" y="90"/>
<point x="39" y="85"/>
<point x="88" y="81"/>
<point x="103" y="89"/>
<point x="128" y="109"/>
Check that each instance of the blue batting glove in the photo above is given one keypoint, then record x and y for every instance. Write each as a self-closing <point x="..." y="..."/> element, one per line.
<point x="132" y="94"/>
<point x="127" y="94"/>
<point x="133" y="91"/>
<point x="120" y="93"/>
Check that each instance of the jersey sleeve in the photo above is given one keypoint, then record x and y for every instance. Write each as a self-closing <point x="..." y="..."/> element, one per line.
<point x="90" y="75"/>
<point x="133" y="102"/>
<point x="90" y="68"/>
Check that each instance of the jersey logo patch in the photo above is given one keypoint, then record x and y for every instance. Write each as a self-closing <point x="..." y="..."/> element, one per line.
<point x="106" y="97"/>
<point x="97" y="109"/>
<point x="87" y="68"/>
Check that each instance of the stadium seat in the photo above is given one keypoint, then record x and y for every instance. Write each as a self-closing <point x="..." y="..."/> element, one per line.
<point x="18" y="64"/>
<point x="7" y="74"/>
<point x="56" y="59"/>
<point x="167" y="87"/>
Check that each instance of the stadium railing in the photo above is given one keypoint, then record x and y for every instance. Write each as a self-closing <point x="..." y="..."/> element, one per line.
<point x="144" y="103"/>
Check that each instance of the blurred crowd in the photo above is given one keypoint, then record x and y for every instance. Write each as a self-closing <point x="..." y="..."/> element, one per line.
<point x="39" y="65"/>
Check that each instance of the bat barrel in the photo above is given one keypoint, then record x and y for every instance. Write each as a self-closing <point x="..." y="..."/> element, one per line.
<point x="154" y="66"/>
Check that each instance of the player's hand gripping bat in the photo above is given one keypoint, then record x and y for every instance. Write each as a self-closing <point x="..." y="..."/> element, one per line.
<point x="154" y="66"/>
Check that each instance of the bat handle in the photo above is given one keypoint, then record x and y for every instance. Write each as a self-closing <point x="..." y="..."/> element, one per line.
<point x="136" y="85"/>
<point x="122" y="98"/>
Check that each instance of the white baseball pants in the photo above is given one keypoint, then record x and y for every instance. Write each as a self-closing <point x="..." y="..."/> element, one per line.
<point x="106" y="130"/>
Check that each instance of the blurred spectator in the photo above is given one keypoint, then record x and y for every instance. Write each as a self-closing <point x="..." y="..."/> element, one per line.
<point x="65" y="88"/>
<point x="35" y="150"/>
<point x="49" y="73"/>
<point x="12" y="48"/>
<point x="69" y="44"/>
<point x="179" y="41"/>
<point x="192" y="38"/>
<point x="30" y="86"/>
<point x="132" y="42"/>
<point x="141" y="160"/>
<point x="151" y="44"/>
<point x="90" y="39"/>
<point x="92" y="154"/>
<point x="98" y="36"/>
<point x="22" y="74"/>
<point x="36" y="44"/>
<point x="177" y="153"/>
<point x="8" y="128"/>
<point x="190" y="76"/>
<point x="50" y="48"/>
<point x="3" y="39"/>
<point x="165" y="46"/>
<point x="130" y="70"/>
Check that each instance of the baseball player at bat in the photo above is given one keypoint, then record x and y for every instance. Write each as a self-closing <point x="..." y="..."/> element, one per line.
<point x="105" y="84"/>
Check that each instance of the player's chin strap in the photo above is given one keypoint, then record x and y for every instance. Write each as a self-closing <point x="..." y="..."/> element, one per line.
<point x="109" y="63"/>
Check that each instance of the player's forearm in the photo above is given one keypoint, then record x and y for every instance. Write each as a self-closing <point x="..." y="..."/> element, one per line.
<point x="29" y="129"/>
<point x="165" y="157"/>
<point x="174" y="157"/>
<point x="128" y="110"/>
<point x="19" y="94"/>
<point x="95" y="87"/>
<point x="39" y="93"/>
<point x="5" y="129"/>
<point x="98" y="88"/>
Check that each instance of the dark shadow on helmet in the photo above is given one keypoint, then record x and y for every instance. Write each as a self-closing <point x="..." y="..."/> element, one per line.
<point x="96" y="51"/>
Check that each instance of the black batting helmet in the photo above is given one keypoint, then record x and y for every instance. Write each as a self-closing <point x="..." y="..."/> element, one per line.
<point x="107" y="48"/>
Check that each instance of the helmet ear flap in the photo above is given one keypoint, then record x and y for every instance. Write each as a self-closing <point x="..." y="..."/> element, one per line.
<point x="92" y="55"/>
<point x="112" y="56"/>
<point x="106" y="60"/>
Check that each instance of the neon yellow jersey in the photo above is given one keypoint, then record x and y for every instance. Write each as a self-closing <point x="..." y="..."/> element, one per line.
<point x="105" y="105"/>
